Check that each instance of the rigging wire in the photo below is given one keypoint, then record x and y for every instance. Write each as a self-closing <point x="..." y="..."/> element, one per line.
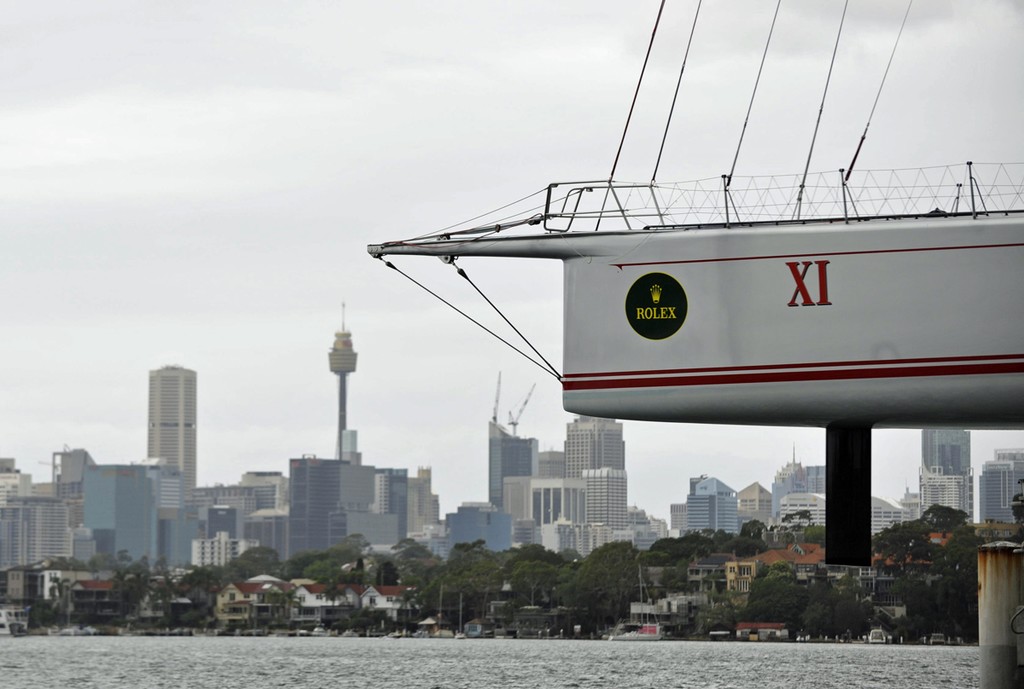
<point x="636" y="93"/>
<point x="547" y="369"/>
<point x="551" y="369"/>
<point x="728" y="179"/>
<point x="675" y="96"/>
<point x="863" y="136"/>
<point x="821" y="109"/>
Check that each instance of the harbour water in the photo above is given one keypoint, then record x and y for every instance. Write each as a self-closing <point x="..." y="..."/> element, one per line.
<point x="252" y="663"/>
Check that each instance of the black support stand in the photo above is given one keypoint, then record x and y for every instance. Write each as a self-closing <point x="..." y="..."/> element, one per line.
<point x="848" y="496"/>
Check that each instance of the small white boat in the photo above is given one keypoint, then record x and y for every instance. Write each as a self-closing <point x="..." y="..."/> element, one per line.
<point x="13" y="621"/>
<point x="878" y="636"/>
<point x="644" y="632"/>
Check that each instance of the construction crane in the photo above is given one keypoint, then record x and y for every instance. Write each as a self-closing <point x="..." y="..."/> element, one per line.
<point x="513" y="421"/>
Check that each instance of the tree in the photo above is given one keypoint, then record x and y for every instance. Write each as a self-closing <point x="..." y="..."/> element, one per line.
<point x="531" y="578"/>
<point x="776" y="597"/>
<point x="606" y="582"/>
<point x="253" y="562"/>
<point x="943" y="519"/>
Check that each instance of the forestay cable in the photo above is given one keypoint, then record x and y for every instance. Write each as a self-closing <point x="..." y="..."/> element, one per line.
<point x="547" y="369"/>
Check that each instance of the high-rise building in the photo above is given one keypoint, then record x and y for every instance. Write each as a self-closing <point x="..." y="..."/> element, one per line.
<point x="314" y="494"/>
<point x="121" y="510"/>
<point x="791" y="478"/>
<point x="593" y="443"/>
<point x="606" y="497"/>
<point x="269" y="487"/>
<point x="342" y="361"/>
<point x="946" y="475"/>
<point x="269" y="528"/>
<point x="391" y="496"/>
<point x="31" y="529"/>
<point x="712" y="505"/>
<point x="755" y="502"/>
<point x="999" y="482"/>
<point x="424" y="507"/>
<point x="172" y="420"/>
<point x="480" y="521"/>
<point x="68" y="468"/>
<point x="551" y="464"/>
<point x="507" y="455"/>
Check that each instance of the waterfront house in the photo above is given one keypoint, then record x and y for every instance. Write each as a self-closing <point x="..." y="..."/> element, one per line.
<point x="95" y="601"/>
<point x="762" y="631"/>
<point x="259" y="601"/>
<point x="392" y="600"/>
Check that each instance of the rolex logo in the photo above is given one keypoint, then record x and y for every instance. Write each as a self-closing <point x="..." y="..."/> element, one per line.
<point x="656" y="306"/>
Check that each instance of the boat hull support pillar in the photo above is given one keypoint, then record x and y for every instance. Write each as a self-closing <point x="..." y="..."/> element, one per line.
<point x="848" y="495"/>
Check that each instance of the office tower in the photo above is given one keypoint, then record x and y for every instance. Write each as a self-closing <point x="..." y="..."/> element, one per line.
<point x="269" y="528"/>
<point x="219" y="549"/>
<point x="33" y="529"/>
<point x="677" y="517"/>
<point x="424" y="507"/>
<point x="815" y="478"/>
<point x="508" y="455"/>
<point x="479" y="521"/>
<point x="946" y="475"/>
<point x="755" y="502"/>
<point x="391" y="496"/>
<point x="712" y="505"/>
<point x="551" y="464"/>
<point x="218" y="519"/>
<point x="794" y="503"/>
<point x="998" y="483"/>
<point x="269" y="487"/>
<point x="593" y="443"/>
<point x="68" y="467"/>
<point x="313" y="495"/>
<point x="172" y="420"/>
<point x="245" y="499"/>
<point x="606" y="497"/>
<point x="546" y="500"/>
<point x="791" y="478"/>
<point x="342" y="361"/>
<point x="13" y="483"/>
<point x="121" y="510"/>
<point x="885" y="512"/>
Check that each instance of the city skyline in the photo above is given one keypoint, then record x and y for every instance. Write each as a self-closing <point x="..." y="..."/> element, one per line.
<point x="202" y="191"/>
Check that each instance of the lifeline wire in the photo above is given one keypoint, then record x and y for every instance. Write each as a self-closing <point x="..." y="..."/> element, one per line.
<point x="835" y="49"/>
<point x="849" y="171"/>
<point x="679" y="81"/>
<point x="483" y="327"/>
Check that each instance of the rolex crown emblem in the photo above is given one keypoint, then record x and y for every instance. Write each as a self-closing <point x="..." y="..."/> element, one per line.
<point x="656" y="293"/>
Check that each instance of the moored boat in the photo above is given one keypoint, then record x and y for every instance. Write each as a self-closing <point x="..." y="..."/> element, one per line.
<point x="13" y="621"/>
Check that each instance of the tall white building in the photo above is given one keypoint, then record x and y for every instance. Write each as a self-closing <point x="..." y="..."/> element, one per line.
<point x="172" y="420"/>
<point x="219" y="550"/>
<point x="424" y="508"/>
<point x="949" y="490"/>
<point x="593" y="443"/>
<point x="606" y="497"/>
<point x="712" y="505"/>
<point x="814" y="503"/>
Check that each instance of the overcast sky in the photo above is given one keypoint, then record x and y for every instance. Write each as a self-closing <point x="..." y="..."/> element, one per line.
<point x="195" y="183"/>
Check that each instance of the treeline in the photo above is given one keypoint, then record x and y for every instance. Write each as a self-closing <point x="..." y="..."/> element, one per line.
<point x="936" y="578"/>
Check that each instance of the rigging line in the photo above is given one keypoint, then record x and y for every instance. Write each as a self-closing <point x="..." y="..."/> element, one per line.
<point x="480" y="325"/>
<point x="483" y="215"/>
<point x="728" y="179"/>
<point x="863" y="136"/>
<point x="551" y="369"/>
<point x="675" y="96"/>
<point x="821" y="109"/>
<point x="636" y="93"/>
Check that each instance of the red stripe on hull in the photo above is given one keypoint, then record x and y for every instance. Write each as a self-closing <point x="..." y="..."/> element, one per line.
<point x="795" y="376"/>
